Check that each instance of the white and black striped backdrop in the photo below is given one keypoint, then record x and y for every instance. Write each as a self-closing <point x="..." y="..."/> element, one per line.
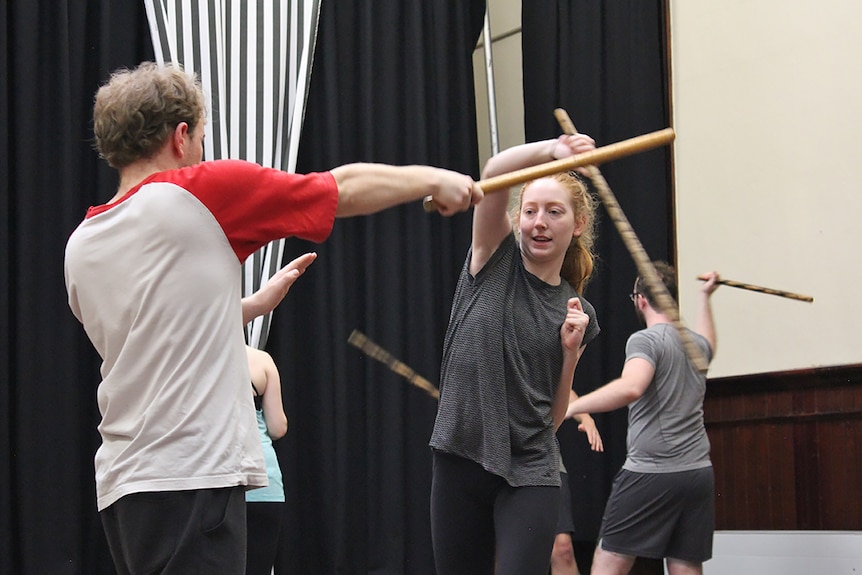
<point x="253" y="58"/>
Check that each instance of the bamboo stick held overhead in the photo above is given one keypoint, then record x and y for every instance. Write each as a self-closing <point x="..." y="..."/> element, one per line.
<point x="591" y="158"/>
<point x="766" y="290"/>
<point x="644" y="265"/>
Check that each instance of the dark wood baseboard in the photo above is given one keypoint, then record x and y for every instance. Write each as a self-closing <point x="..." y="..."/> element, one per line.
<point x="786" y="448"/>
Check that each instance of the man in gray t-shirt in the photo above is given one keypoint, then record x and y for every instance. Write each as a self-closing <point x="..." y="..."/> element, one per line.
<point x="662" y="502"/>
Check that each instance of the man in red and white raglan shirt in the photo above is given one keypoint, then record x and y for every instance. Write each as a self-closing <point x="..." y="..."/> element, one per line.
<point x="154" y="277"/>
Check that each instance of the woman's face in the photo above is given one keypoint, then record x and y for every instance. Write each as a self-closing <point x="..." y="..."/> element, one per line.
<point x="547" y="221"/>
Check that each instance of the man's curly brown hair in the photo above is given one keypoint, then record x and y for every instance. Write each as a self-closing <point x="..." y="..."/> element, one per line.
<point x="137" y="110"/>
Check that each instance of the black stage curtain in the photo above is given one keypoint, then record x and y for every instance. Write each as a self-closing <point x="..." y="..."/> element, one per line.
<point x="392" y="82"/>
<point x="54" y="56"/>
<point x="604" y="62"/>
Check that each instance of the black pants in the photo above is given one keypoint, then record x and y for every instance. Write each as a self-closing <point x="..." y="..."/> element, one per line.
<point x="264" y="525"/>
<point x="481" y="525"/>
<point x="178" y="532"/>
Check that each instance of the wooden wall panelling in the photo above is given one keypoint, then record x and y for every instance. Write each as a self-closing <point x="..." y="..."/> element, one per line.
<point x="785" y="448"/>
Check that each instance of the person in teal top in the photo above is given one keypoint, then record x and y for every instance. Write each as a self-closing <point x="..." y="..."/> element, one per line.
<point x="264" y="506"/>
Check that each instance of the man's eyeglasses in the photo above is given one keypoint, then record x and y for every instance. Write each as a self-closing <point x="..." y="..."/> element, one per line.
<point x="633" y="296"/>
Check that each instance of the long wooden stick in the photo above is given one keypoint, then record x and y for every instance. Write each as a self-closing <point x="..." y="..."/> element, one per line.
<point x="361" y="341"/>
<point x="645" y="267"/>
<point x="591" y="158"/>
<point x="766" y="290"/>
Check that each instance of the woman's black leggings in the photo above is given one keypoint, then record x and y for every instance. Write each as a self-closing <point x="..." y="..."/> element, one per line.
<point x="481" y="525"/>
<point x="264" y="525"/>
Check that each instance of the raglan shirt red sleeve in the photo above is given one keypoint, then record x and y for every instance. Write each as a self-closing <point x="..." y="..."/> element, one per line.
<point x="256" y="205"/>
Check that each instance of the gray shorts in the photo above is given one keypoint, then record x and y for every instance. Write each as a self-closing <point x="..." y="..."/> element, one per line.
<point x="659" y="515"/>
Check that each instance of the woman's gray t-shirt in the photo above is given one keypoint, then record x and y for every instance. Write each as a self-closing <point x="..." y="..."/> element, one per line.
<point x="502" y="358"/>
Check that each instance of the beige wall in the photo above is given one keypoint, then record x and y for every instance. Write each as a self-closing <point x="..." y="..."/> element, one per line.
<point x="766" y="110"/>
<point x="767" y="119"/>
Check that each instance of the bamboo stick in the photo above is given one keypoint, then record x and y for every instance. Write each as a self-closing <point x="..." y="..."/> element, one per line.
<point x="761" y="289"/>
<point x="644" y="265"/>
<point x="361" y="341"/>
<point x="591" y="158"/>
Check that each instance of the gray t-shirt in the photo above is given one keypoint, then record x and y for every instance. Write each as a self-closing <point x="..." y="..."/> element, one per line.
<point x="502" y="358"/>
<point x="666" y="431"/>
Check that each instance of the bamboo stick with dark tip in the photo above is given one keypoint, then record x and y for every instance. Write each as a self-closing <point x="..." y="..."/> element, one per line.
<point x="645" y="267"/>
<point x="761" y="289"/>
<point x="371" y="349"/>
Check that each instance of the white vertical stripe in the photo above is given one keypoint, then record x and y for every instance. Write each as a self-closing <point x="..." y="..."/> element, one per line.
<point x="220" y="86"/>
<point x="267" y="73"/>
<point x="251" y="83"/>
<point x="173" y="33"/>
<point x="248" y="280"/>
<point x="294" y="49"/>
<point x="188" y="55"/>
<point x="152" y="18"/>
<point x="206" y="70"/>
<point x="295" y="53"/>
<point x="278" y="248"/>
<point x="303" y="74"/>
<point x="257" y="325"/>
<point x="283" y="101"/>
<point x="235" y="80"/>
